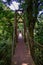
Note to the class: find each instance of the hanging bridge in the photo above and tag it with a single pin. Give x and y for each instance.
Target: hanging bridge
(21, 55)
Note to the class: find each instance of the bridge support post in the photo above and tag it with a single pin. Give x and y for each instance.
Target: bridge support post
(16, 37)
(24, 30)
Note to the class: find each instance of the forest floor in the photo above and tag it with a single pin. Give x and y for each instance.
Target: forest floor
(22, 55)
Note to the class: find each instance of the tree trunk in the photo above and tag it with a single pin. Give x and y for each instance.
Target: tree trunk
(16, 37)
(24, 30)
(31, 36)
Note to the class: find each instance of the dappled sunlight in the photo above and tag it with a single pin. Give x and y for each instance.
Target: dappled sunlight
(24, 63)
(15, 62)
(21, 32)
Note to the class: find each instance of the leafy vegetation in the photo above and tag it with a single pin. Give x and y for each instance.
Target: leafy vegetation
(6, 31)
(38, 37)
(39, 32)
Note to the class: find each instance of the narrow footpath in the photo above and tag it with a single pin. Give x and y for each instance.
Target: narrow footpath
(22, 55)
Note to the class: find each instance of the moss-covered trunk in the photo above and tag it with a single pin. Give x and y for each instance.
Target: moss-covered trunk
(32, 17)
(31, 36)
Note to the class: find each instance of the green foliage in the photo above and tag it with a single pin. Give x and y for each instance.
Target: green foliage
(39, 32)
(38, 37)
(6, 32)
(38, 55)
(5, 54)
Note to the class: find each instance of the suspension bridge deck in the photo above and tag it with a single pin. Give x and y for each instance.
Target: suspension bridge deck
(22, 55)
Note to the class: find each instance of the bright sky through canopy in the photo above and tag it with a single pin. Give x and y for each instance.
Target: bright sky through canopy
(13, 6)
(4, 0)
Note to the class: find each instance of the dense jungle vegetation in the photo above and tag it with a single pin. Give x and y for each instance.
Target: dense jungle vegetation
(6, 34)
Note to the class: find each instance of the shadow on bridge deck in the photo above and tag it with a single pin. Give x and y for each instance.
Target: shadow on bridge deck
(22, 55)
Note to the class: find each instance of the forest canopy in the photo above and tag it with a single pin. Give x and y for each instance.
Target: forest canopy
(34, 22)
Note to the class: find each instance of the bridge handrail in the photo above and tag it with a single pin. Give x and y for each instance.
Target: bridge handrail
(36, 42)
